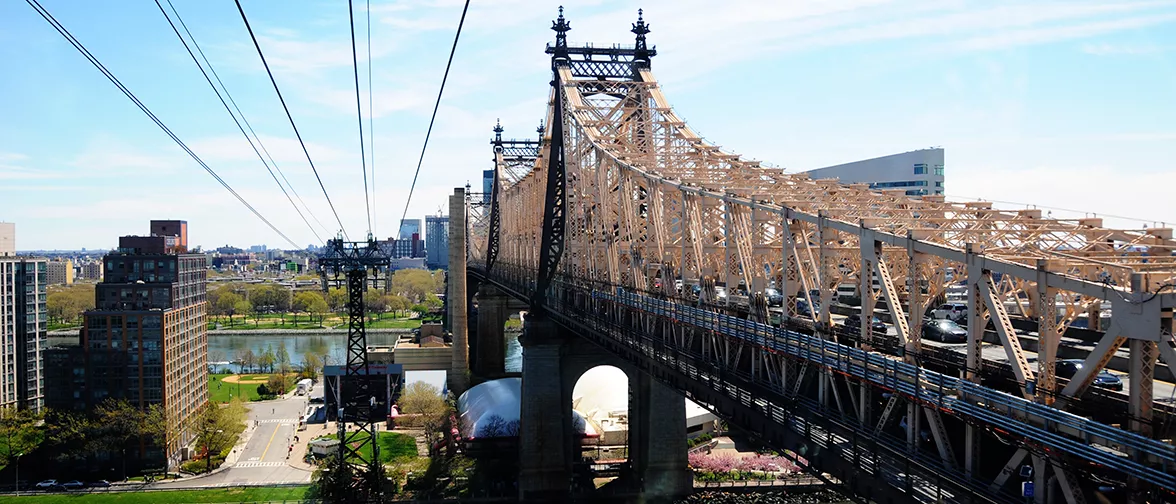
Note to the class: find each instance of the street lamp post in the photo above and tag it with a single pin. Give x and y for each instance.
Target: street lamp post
(18, 455)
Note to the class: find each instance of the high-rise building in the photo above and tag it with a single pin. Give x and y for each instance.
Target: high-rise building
(437, 241)
(23, 325)
(409, 227)
(146, 340)
(60, 272)
(487, 185)
(916, 173)
(7, 239)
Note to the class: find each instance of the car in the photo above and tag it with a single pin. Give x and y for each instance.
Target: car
(951, 311)
(803, 309)
(73, 485)
(1067, 368)
(945, 330)
(774, 297)
(99, 484)
(47, 484)
(853, 323)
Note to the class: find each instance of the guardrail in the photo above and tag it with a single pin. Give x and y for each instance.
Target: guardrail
(960, 396)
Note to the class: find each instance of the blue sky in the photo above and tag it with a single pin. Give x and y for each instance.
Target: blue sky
(1067, 105)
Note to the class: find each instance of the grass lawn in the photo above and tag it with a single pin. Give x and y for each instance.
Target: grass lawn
(394, 324)
(221, 392)
(393, 446)
(226, 495)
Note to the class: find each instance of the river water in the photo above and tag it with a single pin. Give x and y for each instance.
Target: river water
(223, 348)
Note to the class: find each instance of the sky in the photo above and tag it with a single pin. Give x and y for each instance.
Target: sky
(1067, 105)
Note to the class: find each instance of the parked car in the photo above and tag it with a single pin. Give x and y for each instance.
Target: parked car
(99, 484)
(945, 330)
(73, 485)
(951, 311)
(853, 323)
(47, 484)
(1067, 368)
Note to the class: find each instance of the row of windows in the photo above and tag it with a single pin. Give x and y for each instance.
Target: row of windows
(905, 183)
(921, 169)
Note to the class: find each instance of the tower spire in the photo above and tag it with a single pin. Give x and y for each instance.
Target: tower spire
(498, 132)
(561, 27)
(641, 53)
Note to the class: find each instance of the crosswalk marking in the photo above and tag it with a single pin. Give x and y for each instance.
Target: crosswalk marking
(279, 420)
(259, 464)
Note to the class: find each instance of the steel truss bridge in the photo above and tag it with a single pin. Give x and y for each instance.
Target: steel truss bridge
(607, 220)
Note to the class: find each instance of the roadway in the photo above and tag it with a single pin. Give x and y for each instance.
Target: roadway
(264, 454)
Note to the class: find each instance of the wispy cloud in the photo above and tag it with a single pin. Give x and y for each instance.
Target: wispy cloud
(13, 167)
(1107, 49)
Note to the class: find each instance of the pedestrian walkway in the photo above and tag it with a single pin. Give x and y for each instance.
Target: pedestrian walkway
(258, 463)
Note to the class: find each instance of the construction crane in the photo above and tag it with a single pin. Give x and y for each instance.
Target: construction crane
(354, 473)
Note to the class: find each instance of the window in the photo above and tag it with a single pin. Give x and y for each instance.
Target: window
(920, 168)
(939, 170)
(939, 183)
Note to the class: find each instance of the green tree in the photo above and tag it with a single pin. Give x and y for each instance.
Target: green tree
(336, 298)
(396, 304)
(19, 434)
(374, 302)
(268, 358)
(217, 429)
(311, 363)
(243, 308)
(432, 302)
(276, 384)
(283, 360)
(425, 409)
(309, 302)
(413, 284)
(226, 304)
(319, 307)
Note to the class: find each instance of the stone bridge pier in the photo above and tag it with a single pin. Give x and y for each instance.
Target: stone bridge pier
(553, 361)
(488, 343)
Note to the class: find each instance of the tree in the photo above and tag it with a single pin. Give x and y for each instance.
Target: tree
(243, 308)
(66, 304)
(226, 304)
(217, 428)
(336, 299)
(319, 307)
(247, 359)
(268, 358)
(374, 301)
(276, 384)
(116, 423)
(19, 433)
(432, 302)
(413, 284)
(311, 363)
(426, 409)
(283, 359)
(309, 302)
(396, 304)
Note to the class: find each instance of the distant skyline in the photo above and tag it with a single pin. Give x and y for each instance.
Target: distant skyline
(1065, 105)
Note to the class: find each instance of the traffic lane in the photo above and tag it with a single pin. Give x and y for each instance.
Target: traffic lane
(278, 446)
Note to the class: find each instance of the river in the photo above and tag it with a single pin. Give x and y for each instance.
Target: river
(223, 348)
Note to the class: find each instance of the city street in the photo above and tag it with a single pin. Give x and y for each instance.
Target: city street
(263, 457)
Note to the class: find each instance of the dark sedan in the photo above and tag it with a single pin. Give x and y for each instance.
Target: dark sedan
(1067, 368)
(945, 330)
(773, 297)
(853, 324)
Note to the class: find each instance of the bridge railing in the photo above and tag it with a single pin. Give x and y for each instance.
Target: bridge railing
(1130, 453)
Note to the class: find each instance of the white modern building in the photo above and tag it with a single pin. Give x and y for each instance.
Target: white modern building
(917, 172)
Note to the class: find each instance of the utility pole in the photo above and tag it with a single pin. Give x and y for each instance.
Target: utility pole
(353, 261)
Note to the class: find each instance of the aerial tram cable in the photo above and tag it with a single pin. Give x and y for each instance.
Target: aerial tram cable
(359, 113)
(114, 80)
(435, 107)
(260, 54)
(227, 109)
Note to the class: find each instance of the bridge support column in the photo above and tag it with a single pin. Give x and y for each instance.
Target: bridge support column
(659, 450)
(491, 340)
(544, 420)
(456, 293)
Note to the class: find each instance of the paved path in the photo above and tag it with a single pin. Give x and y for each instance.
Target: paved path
(264, 454)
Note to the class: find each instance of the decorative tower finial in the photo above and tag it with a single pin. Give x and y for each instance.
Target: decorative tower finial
(498, 131)
(641, 53)
(561, 27)
(540, 130)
